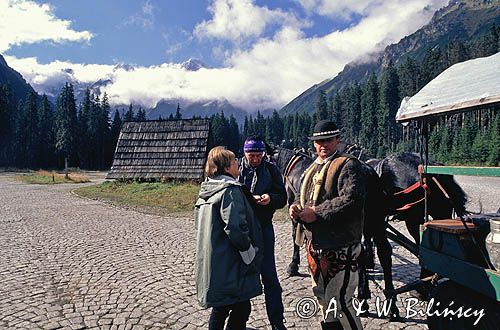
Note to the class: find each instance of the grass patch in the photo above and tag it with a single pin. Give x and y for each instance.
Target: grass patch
(156, 198)
(46, 177)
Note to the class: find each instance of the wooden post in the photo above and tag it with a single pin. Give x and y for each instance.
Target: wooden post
(66, 176)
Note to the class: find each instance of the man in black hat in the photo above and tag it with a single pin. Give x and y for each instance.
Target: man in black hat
(330, 207)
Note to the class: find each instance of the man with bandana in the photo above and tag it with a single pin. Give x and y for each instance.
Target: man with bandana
(265, 182)
(331, 209)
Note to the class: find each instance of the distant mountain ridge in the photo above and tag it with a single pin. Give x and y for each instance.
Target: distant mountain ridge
(460, 20)
(199, 108)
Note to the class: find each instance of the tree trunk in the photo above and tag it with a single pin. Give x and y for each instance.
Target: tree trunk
(66, 176)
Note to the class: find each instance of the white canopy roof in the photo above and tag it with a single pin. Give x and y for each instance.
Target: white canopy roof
(465, 85)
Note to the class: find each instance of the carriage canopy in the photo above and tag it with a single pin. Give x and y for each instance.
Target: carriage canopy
(464, 86)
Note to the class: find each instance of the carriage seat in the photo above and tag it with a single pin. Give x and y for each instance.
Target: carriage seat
(450, 237)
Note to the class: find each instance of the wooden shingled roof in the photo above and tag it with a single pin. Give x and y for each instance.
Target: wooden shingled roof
(172, 149)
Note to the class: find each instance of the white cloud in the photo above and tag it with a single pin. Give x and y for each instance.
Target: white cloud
(145, 19)
(23, 21)
(268, 75)
(237, 20)
(337, 7)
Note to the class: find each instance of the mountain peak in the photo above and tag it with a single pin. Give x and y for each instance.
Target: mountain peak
(193, 64)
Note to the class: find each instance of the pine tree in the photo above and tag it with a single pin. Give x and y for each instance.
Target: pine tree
(445, 140)
(456, 148)
(115, 129)
(352, 120)
(20, 136)
(233, 136)
(245, 129)
(494, 142)
(274, 129)
(32, 146)
(178, 114)
(321, 107)
(369, 105)
(105, 158)
(129, 115)
(456, 52)
(486, 45)
(431, 65)
(220, 127)
(66, 125)
(336, 114)
(141, 115)
(259, 126)
(46, 137)
(7, 126)
(409, 78)
(479, 149)
(389, 132)
(467, 135)
(84, 132)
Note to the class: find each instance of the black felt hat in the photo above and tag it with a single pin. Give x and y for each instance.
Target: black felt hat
(325, 129)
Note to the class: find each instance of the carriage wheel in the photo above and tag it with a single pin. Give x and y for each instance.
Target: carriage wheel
(449, 292)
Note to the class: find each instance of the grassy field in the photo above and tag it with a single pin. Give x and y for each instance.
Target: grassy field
(46, 177)
(155, 198)
(162, 199)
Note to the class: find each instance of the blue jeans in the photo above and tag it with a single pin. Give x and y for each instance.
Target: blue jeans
(272, 287)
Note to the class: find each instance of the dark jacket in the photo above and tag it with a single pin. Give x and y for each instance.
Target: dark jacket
(340, 211)
(268, 181)
(225, 227)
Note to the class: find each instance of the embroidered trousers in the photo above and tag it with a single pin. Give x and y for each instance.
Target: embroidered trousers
(335, 278)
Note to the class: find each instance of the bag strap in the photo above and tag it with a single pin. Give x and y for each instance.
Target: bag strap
(334, 169)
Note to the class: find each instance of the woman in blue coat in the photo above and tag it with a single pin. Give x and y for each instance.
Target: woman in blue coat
(229, 244)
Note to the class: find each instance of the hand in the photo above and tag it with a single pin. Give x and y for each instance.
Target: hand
(294, 211)
(264, 199)
(308, 215)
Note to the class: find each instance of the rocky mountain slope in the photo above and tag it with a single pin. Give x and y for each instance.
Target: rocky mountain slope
(460, 20)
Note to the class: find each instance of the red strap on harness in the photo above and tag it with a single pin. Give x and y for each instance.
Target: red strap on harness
(408, 190)
(292, 163)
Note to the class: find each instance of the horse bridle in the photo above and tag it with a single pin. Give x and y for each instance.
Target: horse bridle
(288, 168)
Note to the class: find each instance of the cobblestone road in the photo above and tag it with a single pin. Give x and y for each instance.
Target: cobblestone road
(72, 263)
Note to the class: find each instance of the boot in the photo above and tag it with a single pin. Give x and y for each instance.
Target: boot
(331, 326)
(278, 326)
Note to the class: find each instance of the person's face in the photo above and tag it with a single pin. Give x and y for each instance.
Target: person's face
(233, 169)
(254, 158)
(326, 147)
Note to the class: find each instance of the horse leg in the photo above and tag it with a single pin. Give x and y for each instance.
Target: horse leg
(384, 252)
(293, 267)
(370, 254)
(363, 287)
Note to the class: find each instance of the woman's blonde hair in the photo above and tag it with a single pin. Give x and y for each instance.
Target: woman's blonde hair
(219, 158)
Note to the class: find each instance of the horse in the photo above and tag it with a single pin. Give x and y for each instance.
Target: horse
(292, 165)
(405, 187)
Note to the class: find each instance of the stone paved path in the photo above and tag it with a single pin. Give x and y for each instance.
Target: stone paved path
(72, 263)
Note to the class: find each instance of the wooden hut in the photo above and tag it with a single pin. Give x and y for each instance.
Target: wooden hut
(154, 150)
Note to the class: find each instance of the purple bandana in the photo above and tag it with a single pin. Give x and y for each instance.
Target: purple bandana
(254, 145)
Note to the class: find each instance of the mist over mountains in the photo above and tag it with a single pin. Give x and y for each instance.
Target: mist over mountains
(460, 20)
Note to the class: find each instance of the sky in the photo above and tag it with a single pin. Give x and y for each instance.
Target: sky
(258, 54)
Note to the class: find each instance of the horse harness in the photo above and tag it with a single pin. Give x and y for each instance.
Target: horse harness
(288, 168)
(414, 195)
